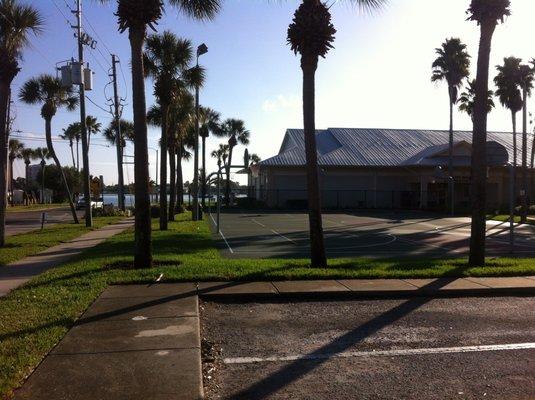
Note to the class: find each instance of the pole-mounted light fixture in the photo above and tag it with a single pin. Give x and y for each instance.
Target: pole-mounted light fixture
(202, 49)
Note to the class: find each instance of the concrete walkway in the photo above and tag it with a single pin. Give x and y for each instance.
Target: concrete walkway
(143, 341)
(15, 274)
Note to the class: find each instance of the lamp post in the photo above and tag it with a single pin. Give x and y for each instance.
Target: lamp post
(156, 150)
(202, 49)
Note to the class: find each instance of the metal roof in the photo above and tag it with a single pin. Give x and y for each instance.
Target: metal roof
(377, 147)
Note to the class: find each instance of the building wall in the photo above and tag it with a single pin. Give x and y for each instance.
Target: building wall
(396, 187)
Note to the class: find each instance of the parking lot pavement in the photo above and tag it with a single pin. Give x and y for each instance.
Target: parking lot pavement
(421, 348)
(26, 221)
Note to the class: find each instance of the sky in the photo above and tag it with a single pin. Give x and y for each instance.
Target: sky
(377, 76)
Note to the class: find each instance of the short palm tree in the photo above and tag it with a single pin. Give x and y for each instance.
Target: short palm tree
(507, 91)
(209, 122)
(15, 149)
(311, 34)
(48, 91)
(17, 23)
(135, 16)
(167, 60)
(255, 158)
(467, 100)
(453, 66)
(487, 14)
(235, 130)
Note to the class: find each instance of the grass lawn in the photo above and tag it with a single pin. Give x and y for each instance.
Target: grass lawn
(30, 243)
(36, 316)
(35, 207)
(505, 218)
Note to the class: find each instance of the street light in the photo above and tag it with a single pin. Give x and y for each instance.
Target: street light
(202, 49)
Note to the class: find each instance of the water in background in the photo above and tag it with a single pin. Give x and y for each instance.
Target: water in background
(113, 198)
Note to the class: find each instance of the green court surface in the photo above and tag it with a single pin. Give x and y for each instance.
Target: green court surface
(250, 234)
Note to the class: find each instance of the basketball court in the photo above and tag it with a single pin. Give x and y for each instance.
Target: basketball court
(404, 234)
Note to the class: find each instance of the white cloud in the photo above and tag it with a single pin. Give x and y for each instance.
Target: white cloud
(281, 102)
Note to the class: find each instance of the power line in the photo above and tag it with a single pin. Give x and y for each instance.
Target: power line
(96, 105)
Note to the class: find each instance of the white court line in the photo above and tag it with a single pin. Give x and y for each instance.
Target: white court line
(256, 222)
(282, 236)
(223, 236)
(384, 353)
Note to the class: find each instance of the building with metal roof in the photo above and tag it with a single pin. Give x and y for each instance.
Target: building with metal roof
(393, 168)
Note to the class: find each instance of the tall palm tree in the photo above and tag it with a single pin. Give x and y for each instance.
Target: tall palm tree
(311, 34)
(15, 149)
(467, 100)
(525, 80)
(28, 155)
(135, 16)
(487, 14)
(167, 60)
(48, 91)
(506, 82)
(209, 122)
(453, 66)
(17, 23)
(235, 130)
(73, 133)
(70, 136)
(92, 126)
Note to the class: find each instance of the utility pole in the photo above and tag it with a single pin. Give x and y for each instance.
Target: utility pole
(83, 128)
(118, 136)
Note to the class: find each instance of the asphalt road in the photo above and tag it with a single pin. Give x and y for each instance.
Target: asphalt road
(26, 221)
(378, 349)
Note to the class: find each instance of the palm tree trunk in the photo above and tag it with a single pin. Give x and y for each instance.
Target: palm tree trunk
(172, 182)
(318, 257)
(227, 184)
(179, 176)
(11, 161)
(143, 239)
(4, 104)
(451, 181)
(77, 156)
(48, 132)
(163, 169)
(203, 176)
(524, 193)
(479, 148)
(71, 145)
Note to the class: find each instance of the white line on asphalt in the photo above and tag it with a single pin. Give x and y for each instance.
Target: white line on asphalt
(383, 353)
(282, 236)
(258, 223)
(223, 236)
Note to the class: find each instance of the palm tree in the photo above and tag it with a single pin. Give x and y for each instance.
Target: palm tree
(135, 16)
(453, 66)
(167, 60)
(255, 158)
(127, 132)
(43, 154)
(525, 80)
(17, 23)
(235, 130)
(70, 134)
(92, 126)
(28, 155)
(467, 100)
(507, 91)
(48, 91)
(487, 14)
(209, 122)
(15, 149)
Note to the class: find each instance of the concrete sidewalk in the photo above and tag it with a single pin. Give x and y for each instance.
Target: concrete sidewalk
(143, 341)
(15, 274)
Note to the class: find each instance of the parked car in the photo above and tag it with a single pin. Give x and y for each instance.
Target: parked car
(96, 203)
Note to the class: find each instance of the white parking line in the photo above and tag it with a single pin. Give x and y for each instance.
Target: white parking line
(383, 353)
(282, 236)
